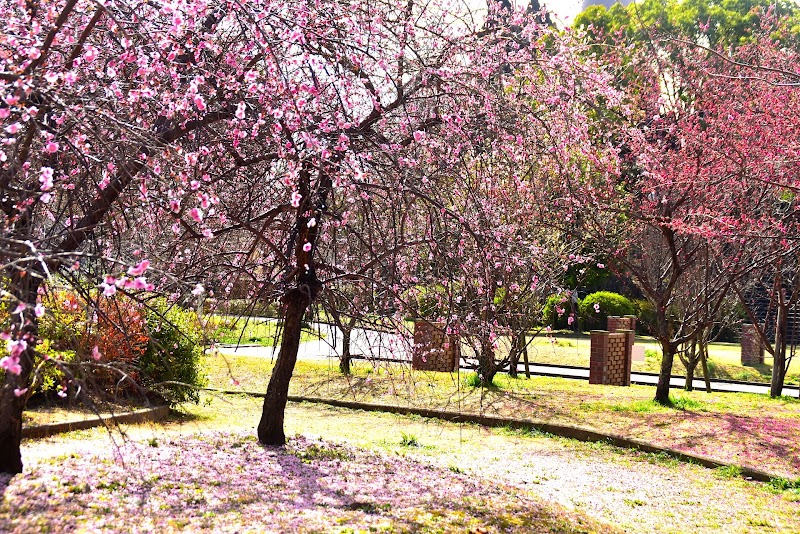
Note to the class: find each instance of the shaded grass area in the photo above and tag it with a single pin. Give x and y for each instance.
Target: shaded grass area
(234, 330)
(724, 358)
(746, 429)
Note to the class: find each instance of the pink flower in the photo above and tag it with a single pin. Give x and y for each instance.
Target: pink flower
(38, 310)
(96, 354)
(108, 289)
(175, 205)
(419, 136)
(46, 179)
(11, 364)
(296, 197)
(51, 147)
(139, 269)
(198, 290)
(596, 307)
(20, 392)
(307, 247)
(13, 128)
(196, 214)
(199, 102)
(601, 266)
(240, 109)
(570, 319)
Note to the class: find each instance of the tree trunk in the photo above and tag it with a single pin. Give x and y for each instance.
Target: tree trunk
(691, 363)
(270, 428)
(662, 388)
(779, 356)
(344, 360)
(689, 386)
(487, 367)
(517, 348)
(704, 363)
(12, 405)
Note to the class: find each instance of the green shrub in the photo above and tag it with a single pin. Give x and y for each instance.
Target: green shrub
(608, 303)
(171, 364)
(550, 313)
(646, 316)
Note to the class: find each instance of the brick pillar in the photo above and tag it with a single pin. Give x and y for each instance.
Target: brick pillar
(629, 341)
(625, 322)
(752, 349)
(610, 357)
(434, 350)
(597, 356)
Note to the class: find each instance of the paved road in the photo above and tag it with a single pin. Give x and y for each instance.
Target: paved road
(371, 344)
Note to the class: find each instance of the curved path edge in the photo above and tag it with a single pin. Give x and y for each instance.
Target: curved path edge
(136, 416)
(566, 431)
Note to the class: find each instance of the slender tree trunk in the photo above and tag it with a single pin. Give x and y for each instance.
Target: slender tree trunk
(691, 363)
(779, 357)
(344, 360)
(662, 388)
(517, 347)
(487, 367)
(704, 363)
(527, 363)
(12, 405)
(270, 428)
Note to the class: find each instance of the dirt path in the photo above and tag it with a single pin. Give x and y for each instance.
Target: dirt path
(637, 492)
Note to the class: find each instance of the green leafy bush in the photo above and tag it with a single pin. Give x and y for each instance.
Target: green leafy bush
(171, 365)
(596, 307)
(646, 316)
(556, 311)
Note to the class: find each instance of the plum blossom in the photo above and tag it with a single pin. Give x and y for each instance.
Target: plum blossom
(296, 197)
(139, 269)
(196, 214)
(307, 247)
(596, 307)
(20, 392)
(46, 179)
(198, 290)
(38, 310)
(96, 354)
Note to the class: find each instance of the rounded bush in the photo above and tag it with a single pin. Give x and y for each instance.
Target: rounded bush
(595, 308)
(171, 365)
(556, 311)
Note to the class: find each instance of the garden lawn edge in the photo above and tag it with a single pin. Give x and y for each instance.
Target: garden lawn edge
(566, 431)
(133, 417)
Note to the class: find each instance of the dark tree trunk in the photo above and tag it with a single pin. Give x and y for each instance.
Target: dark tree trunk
(704, 363)
(692, 359)
(689, 386)
(487, 367)
(25, 288)
(779, 356)
(517, 348)
(662, 388)
(344, 360)
(270, 428)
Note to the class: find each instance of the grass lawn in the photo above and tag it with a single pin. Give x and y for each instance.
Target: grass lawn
(233, 330)
(745, 429)
(724, 358)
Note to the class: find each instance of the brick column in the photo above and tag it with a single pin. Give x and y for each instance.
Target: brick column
(752, 349)
(610, 358)
(434, 350)
(625, 322)
(597, 356)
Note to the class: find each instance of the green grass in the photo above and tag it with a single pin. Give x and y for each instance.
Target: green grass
(232, 330)
(724, 358)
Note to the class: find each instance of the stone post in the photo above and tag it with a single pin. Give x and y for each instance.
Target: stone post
(434, 350)
(752, 349)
